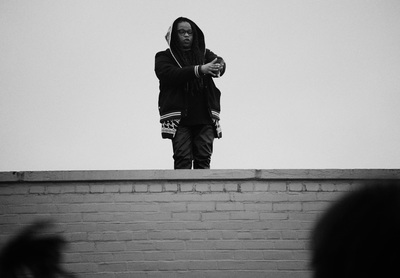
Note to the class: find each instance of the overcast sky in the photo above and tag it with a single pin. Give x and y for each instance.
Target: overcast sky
(309, 84)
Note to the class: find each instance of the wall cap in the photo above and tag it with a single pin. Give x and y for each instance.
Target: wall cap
(180, 175)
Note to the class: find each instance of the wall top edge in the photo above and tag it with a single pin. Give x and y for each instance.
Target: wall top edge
(176, 175)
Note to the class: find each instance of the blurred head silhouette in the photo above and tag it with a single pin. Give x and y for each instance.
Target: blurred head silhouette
(359, 235)
(33, 253)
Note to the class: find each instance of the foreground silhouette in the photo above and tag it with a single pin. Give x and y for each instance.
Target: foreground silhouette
(32, 253)
(359, 235)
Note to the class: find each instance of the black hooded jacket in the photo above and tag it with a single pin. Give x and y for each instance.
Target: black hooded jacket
(176, 79)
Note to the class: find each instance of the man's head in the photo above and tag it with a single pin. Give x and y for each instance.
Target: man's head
(185, 34)
(182, 36)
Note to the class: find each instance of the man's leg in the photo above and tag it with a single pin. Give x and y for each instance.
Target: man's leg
(182, 147)
(203, 139)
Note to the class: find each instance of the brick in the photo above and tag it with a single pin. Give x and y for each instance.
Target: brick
(246, 265)
(97, 217)
(201, 206)
(229, 245)
(229, 234)
(19, 209)
(170, 245)
(97, 188)
(186, 216)
(328, 187)
(195, 235)
(158, 255)
(312, 186)
(344, 186)
(287, 207)
(248, 255)
(67, 189)
(173, 207)
(81, 247)
(290, 234)
(114, 208)
(140, 188)
(191, 255)
(293, 265)
(162, 235)
(141, 246)
(129, 256)
(186, 187)
(273, 234)
(244, 215)
(247, 187)
(215, 215)
(160, 216)
(20, 189)
(44, 209)
(315, 206)
(217, 187)
(112, 267)
(261, 186)
(302, 197)
(94, 198)
(284, 225)
(37, 189)
(329, 196)
(82, 189)
(278, 255)
(273, 215)
(278, 186)
(202, 265)
(227, 225)
(296, 186)
(258, 207)
(219, 254)
(231, 187)
(123, 188)
(289, 245)
(139, 235)
(155, 188)
(200, 245)
(144, 207)
(214, 235)
(230, 206)
(54, 190)
(259, 197)
(85, 267)
(259, 234)
(171, 187)
(8, 190)
(202, 187)
(258, 245)
(244, 235)
(215, 197)
(182, 235)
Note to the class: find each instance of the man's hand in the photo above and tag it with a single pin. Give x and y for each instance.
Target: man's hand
(211, 68)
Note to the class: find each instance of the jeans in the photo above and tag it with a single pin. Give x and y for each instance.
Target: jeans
(193, 145)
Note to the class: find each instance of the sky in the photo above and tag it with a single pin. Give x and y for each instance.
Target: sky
(309, 84)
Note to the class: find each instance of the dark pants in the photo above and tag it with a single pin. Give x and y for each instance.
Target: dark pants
(193, 145)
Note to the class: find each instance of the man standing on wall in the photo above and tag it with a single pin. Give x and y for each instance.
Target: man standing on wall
(189, 101)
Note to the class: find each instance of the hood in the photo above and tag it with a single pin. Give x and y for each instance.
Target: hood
(171, 38)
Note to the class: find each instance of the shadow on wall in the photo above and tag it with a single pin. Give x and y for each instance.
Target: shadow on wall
(359, 235)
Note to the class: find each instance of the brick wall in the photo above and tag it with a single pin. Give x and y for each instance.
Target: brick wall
(199, 223)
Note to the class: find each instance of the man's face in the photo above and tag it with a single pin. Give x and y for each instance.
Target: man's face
(185, 35)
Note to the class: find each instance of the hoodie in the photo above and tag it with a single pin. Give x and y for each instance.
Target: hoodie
(178, 79)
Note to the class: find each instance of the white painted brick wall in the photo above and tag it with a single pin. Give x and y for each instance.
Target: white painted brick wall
(216, 223)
